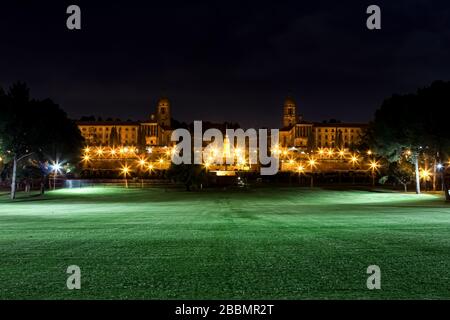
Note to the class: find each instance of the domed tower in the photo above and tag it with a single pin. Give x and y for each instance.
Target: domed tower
(289, 112)
(163, 113)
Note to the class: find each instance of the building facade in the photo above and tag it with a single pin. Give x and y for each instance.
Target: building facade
(113, 145)
(156, 131)
(305, 135)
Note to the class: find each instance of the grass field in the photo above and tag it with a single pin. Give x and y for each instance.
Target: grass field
(249, 244)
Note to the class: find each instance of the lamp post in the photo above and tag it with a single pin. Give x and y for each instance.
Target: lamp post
(439, 169)
(125, 172)
(354, 160)
(56, 168)
(374, 165)
(312, 163)
(300, 170)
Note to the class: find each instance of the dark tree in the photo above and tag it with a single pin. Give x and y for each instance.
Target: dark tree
(191, 175)
(412, 125)
(34, 128)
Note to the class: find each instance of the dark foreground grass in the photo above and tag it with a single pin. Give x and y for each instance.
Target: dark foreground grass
(257, 244)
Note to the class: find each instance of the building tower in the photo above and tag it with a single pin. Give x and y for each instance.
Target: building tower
(289, 112)
(163, 113)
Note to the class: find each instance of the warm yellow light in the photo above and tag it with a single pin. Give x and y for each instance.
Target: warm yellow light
(425, 174)
(241, 161)
(374, 165)
(150, 167)
(300, 169)
(341, 153)
(369, 152)
(100, 151)
(126, 149)
(312, 162)
(285, 152)
(276, 149)
(330, 152)
(354, 159)
(408, 152)
(321, 151)
(161, 161)
(1, 159)
(113, 152)
(207, 165)
(121, 150)
(125, 170)
(149, 150)
(291, 161)
(86, 157)
(87, 150)
(142, 162)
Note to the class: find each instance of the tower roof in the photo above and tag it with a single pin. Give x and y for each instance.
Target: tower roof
(164, 100)
(289, 100)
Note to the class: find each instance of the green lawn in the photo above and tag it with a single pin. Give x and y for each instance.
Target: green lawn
(258, 244)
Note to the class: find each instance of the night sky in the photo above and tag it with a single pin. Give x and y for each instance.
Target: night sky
(224, 60)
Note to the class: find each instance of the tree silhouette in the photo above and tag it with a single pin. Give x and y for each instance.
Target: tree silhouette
(413, 124)
(34, 128)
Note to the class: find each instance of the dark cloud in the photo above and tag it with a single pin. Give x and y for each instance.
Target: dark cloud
(225, 60)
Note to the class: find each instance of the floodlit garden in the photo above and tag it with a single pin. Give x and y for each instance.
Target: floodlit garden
(262, 243)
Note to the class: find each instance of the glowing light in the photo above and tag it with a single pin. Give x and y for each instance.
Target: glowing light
(330, 152)
(312, 163)
(374, 165)
(341, 153)
(149, 150)
(369, 152)
(86, 157)
(300, 169)
(354, 159)
(113, 152)
(161, 161)
(87, 150)
(1, 159)
(126, 149)
(125, 170)
(207, 165)
(285, 152)
(121, 150)
(56, 167)
(408, 152)
(100, 151)
(439, 166)
(142, 162)
(321, 151)
(291, 161)
(276, 149)
(425, 174)
(150, 167)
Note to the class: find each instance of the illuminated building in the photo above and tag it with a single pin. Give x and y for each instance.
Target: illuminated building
(302, 134)
(155, 131)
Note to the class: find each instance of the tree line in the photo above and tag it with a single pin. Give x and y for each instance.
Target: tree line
(33, 133)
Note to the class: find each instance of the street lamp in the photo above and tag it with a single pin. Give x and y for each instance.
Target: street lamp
(125, 171)
(56, 168)
(312, 164)
(425, 174)
(300, 170)
(374, 165)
